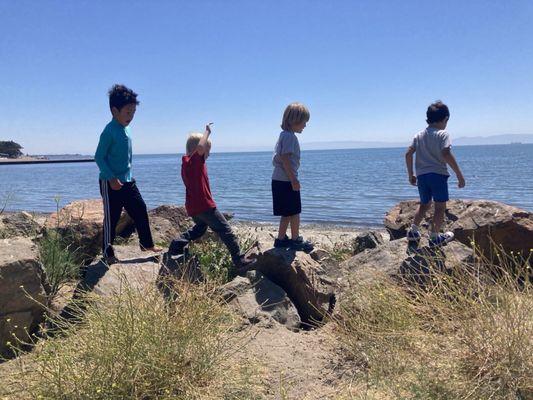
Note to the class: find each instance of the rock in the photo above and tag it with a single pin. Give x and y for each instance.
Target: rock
(18, 224)
(259, 300)
(366, 240)
(81, 224)
(22, 293)
(136, 269)
(480, 221)
(319, 254)
(176, 215)
(182, 267)
(391, 259)
(235, 288)
(166, 223)
(302, 278)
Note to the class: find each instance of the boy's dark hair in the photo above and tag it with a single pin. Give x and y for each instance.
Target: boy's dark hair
(437, 112)
(120, 96)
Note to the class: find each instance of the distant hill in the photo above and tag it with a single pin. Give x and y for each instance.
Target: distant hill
(461, 141)
(496, 139)
(360, 144)
(349, 145)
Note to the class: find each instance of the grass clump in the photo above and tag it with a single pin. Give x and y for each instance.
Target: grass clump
(135, 345)
(58, 259)
(215, 260)
(467, 334)
(58, 254)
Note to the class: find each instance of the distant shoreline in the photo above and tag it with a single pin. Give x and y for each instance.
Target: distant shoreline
(35, 160)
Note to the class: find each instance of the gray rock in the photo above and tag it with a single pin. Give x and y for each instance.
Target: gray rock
(302, 278)
(261, 301)
(392, 259)
(18, 224)
(136, 270)
(22, 293)
(485, 223)
(367, 240)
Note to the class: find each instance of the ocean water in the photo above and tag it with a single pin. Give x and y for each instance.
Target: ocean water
(344, 187)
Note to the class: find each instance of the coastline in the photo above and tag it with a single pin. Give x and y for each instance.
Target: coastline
(34, 160)
(21, 159)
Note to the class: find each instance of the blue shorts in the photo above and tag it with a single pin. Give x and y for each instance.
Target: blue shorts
(432, 186)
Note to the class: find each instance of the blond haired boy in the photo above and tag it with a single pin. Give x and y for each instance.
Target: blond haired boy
(286, 197)
(200, 204)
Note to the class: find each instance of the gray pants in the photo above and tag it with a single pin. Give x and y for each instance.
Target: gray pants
(215, 220)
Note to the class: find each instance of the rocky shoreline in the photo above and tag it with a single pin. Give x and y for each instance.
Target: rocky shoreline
(285, 294)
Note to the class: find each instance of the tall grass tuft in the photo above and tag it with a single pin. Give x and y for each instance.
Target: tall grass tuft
(58, 257)
(135, 345)
(467, 334)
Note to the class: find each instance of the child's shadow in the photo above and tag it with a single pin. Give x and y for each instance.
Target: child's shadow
(419, 267)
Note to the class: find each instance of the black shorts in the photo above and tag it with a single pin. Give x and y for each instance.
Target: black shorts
(286, 201)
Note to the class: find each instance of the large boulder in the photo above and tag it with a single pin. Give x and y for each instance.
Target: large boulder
(138, 269)
(81, 224)
(18, 224)
(166, 223)
(22, 293)
(303, 280)
(260, 301)
(485, 223)
(393, 259)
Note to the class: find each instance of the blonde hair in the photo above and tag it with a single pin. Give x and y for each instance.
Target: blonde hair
(192, 142)
(295, 113)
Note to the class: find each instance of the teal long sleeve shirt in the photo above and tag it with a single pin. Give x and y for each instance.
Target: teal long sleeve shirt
(113, 154)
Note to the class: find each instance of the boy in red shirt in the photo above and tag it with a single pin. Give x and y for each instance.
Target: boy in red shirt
(200, 204)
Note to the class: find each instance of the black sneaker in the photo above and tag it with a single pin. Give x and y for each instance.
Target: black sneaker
(177, 246)
(108, 260)
(243, 265)
(301, 245)
(282, 243)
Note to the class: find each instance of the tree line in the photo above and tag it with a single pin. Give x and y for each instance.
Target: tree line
(10, 149)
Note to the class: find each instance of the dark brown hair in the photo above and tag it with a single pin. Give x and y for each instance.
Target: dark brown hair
(120, 96)
(437, 112)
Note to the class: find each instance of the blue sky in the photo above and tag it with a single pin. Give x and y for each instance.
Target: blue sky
(366, 69)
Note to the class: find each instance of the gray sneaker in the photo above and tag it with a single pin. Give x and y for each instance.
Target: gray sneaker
(442, 239)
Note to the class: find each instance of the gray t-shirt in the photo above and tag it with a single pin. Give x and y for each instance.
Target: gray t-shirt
(287, 144)
(429, 145)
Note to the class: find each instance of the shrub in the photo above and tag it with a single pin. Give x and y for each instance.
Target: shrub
(135, 345)
(466, 334)
(215, 260)
(58, 260)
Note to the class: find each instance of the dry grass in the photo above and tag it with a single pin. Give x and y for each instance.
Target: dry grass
(468, 334)
(135, 345)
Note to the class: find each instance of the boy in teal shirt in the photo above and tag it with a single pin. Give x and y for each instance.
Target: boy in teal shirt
(117, 186)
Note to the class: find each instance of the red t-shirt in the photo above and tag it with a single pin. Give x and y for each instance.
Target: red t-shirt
(198, 198)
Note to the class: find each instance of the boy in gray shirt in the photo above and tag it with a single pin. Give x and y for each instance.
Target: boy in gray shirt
(286, 198)
(433, 153)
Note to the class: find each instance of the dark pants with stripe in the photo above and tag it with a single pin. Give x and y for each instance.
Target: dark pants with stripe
(129, 198)
(215, 220)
